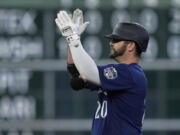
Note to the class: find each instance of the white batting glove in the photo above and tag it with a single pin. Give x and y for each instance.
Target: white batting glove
(78, 21)
(65, 24)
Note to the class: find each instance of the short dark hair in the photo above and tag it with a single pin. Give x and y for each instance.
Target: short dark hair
(138, 50)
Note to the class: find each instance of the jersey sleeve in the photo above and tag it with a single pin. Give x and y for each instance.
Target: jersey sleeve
(92, 86)
(115, 77)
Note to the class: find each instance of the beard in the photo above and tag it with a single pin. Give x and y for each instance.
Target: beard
(115, 53)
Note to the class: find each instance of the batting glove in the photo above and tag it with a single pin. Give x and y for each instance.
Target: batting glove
(78, 21)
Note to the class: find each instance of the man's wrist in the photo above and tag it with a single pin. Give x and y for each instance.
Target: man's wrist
(71, 38)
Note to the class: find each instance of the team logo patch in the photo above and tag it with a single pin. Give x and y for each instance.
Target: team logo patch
(110, 73)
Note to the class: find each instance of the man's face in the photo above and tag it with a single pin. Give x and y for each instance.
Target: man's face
(117, 48)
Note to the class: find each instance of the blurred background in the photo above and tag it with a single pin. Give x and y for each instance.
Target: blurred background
(35, 96)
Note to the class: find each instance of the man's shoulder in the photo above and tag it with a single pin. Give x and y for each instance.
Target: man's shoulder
(135, 68)
(138, 75)
(117, 66)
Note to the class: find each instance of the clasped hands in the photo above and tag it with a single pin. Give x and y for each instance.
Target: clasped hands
(71, 26)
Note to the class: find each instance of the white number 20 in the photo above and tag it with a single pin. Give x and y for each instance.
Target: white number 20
(101, 110)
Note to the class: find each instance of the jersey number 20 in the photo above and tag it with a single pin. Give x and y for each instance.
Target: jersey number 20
(101, 111)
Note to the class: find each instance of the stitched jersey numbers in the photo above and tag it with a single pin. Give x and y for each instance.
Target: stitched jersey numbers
(101, 111)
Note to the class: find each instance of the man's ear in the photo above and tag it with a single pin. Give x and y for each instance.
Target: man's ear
(131, 46)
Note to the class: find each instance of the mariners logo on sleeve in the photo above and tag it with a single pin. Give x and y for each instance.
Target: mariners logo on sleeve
(110, 73)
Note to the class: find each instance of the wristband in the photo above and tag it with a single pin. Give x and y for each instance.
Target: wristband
(73, 70)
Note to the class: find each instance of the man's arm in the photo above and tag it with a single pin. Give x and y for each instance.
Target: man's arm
(70, 60)
(84, 63)
(76, 82)
(71, 66)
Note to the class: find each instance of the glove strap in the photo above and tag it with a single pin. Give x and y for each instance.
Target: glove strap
(73, 40)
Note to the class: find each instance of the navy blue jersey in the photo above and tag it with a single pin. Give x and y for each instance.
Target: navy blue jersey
(121, 102)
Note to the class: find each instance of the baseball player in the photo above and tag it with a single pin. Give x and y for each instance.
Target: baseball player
(121, 87)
